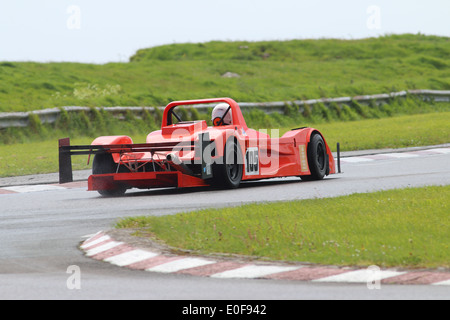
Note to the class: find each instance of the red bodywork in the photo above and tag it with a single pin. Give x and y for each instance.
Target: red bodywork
(172, 156)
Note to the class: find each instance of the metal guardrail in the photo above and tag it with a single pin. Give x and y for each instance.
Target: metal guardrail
(48, 116)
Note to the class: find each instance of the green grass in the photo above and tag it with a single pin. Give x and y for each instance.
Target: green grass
(397, 228)
(396, 132)
(35, 158)
(269, 71)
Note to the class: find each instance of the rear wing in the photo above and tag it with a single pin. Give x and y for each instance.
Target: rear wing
(66, 151)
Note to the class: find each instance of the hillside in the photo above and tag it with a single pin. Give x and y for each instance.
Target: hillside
(262, 71)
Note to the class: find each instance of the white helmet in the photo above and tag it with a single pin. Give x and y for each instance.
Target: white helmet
(218, 113)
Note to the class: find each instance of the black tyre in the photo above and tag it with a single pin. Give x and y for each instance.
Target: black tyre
(104, 164)
(317, 159)
(229, 174)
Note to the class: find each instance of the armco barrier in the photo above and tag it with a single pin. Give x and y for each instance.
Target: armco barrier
(22, 119)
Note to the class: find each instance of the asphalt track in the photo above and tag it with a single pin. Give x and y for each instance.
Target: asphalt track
(42, 225)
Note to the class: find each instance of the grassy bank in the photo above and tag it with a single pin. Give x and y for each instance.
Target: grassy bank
(395, 132)
(402, 228)
(267, 71)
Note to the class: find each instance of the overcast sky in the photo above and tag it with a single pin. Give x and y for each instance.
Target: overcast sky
(101, 31)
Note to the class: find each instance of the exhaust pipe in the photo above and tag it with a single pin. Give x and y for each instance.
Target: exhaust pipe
(175, 162)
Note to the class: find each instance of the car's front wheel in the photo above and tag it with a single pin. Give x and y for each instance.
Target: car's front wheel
(317, 158)
(229, 173)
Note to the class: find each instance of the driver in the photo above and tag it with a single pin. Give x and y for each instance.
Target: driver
(218, 112)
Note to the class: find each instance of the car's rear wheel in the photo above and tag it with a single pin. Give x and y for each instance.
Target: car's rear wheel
(104, 164)
(317, 158)
(229, 174)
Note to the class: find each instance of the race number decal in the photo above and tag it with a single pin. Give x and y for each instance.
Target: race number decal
(252, 161)
(303, 159)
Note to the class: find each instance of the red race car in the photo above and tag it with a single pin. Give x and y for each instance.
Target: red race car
(193, 154)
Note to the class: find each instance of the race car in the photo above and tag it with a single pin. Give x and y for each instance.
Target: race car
(193, 153)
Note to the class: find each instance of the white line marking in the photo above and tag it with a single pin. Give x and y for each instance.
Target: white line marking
(356, 159)
(130, 257)
(181, 264)
(90, 236)
(252, 271)
(440, 150)
(401, 155)
(105, 247)
(97, 241)
(442, 283)
(33, 188)
(360, 276)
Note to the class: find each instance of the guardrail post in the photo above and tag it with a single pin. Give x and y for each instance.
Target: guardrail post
(65, 161)
(339, 157)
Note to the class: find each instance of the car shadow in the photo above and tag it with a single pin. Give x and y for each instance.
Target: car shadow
(193, 190)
